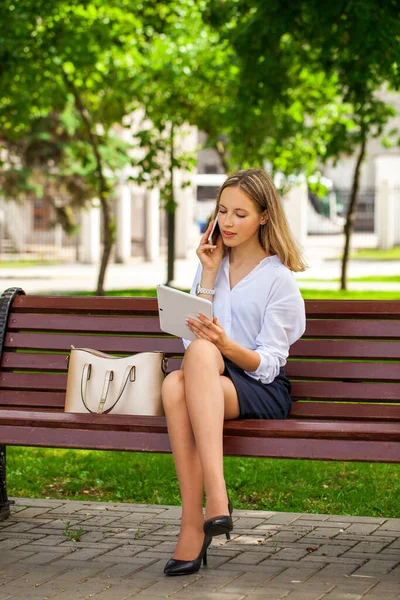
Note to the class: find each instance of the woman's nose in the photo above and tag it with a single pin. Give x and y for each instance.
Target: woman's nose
(228, 222)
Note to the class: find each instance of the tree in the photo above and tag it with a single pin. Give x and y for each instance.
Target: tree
(182, 84)
(353, 45)
(368, 121)
(74, 63)
(86, 67)
(361, 45)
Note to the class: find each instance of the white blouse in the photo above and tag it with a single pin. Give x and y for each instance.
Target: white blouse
(263, 312)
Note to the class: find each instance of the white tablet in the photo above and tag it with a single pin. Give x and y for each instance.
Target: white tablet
(175, 306)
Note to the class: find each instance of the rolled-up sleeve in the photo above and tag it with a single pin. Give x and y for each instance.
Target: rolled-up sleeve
(196, 280)
(283, 324)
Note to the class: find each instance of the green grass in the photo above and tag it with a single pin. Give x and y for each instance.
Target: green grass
(263, 484)
(151, 292)
(310, 294)
(27, 263)
(378, 278)
(376, 254)
(369, 278)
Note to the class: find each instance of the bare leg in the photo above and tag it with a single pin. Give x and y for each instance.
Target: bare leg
(206, 399)
(187, 465)
(186, 458)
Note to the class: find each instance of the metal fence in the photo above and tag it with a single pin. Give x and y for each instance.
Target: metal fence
(327, 214)
(29, 231)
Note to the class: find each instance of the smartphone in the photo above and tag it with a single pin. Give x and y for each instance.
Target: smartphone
(215, 232)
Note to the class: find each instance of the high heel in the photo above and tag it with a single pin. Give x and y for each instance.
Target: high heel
(187, 567)
(221, 525)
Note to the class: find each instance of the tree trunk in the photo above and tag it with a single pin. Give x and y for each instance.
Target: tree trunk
(170, 208)
(108, 241)
(171, 247)
(220, 148)
(351, 212)
(103, 189)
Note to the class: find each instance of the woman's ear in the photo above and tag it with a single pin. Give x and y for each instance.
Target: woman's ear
(264, 218)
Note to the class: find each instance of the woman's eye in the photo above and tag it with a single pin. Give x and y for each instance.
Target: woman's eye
(222, 212)
(241, 216)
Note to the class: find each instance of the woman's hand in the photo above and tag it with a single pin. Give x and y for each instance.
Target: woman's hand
(210, 256)
(208, 330)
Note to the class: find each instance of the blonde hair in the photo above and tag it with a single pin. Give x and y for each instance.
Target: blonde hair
(275, 236)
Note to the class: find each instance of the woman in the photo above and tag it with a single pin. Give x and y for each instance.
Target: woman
(234, 369)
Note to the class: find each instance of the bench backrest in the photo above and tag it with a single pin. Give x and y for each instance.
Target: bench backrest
(349, 354)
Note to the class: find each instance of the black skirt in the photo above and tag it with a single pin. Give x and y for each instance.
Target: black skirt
(260, 400)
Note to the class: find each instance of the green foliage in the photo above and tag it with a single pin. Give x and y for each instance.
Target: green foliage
(275, 88)
(72, 74)
(59, 58)
(297, 62)
(309, 76)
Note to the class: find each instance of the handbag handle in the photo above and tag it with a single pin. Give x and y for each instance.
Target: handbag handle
(130, 373)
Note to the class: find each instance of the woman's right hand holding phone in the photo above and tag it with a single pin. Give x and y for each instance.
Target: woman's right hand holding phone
(209, 255)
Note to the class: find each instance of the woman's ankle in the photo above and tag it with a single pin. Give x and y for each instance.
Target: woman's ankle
(191, 521)
(217, 505)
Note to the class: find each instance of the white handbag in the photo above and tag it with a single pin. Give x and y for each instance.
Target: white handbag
(101, 383)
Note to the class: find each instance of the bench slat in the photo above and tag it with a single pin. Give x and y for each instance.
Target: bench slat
(255, 427)
(338, 390)
(85, 439)
(303, 348)
(84, 323)
(365, 371)
(334, 410)
(361, 451)
(86, 304)
(128, 344)
(342, 349)
(360, 328)
(126, 324)
(29, 398)
(353, 309)
(296, 369)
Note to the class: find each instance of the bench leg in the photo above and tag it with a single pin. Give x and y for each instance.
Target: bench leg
(4, 502)
(6, 300)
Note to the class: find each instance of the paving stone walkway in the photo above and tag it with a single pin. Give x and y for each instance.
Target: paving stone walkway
(123, 548)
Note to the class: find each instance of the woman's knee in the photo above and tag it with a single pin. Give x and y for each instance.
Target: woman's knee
(173, 389)
(202, 350)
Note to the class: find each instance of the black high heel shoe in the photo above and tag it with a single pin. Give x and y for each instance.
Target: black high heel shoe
(187, 567)
(221, 525)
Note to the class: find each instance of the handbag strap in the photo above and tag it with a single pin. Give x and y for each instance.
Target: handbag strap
(130, 374)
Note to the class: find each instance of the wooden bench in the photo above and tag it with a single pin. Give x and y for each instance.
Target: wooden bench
(345, 373)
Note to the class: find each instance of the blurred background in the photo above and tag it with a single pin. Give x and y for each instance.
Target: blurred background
(119, 120)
